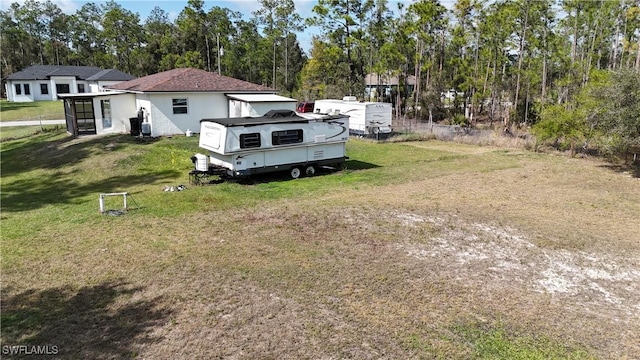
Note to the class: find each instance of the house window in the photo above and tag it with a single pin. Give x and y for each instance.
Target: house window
(62, 88)
(179, 106)
(18, 89)
(249, 140)
(44, 89)
(105, 105)
(286, 137)
(80, 88)
(27, 89)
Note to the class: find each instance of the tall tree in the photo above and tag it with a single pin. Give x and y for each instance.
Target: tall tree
(244, 53)
(496, 27)
(88, 41)
(325, 75)
(266, 16)
(342, 24)
(617, 116)
(280, 22)
(123, 34)
(428, 23)
(378, 35)
(464, 54)
(195, 35)
(29, 18)
(57, 34)
(219, 24)
(160, 40)
(13, 50)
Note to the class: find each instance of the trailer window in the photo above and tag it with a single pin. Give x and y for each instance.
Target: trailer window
(250, 140)
(286, 137)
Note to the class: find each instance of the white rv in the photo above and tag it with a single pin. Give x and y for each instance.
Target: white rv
(278, 141)
(365, 118)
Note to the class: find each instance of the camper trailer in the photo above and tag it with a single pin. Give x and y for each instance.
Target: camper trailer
(365, 118)
(278, 141)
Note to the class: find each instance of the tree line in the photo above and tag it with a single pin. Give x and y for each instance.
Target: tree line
(505, 61)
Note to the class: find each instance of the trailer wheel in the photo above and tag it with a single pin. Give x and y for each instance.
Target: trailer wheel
(310, 170)
(295, 172)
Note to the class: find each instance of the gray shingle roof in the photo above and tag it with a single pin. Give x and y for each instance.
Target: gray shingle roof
(91, 73)
(110, 75)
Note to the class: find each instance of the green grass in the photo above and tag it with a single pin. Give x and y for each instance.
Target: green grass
(17, 132)
(309, 268)
(497, 342)
(36, 110)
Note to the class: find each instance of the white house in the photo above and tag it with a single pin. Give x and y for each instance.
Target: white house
(106, 112)
(45, 82)
(172, 102)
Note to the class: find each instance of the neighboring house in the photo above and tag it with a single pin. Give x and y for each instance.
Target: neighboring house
(172, 103)
(384, 83)
(45, 82)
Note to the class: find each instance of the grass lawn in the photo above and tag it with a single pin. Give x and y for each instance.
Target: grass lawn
(415, 250)
(17, 132)
(37, 110)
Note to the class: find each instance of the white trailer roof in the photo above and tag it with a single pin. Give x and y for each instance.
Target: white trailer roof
(271, 117)
(260, 98)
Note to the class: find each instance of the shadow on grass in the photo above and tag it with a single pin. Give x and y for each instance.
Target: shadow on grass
(60, 188)
(97, 322)
(320, 171)
(359, 165)
(10, 106)
(632, 170)
(52, 150)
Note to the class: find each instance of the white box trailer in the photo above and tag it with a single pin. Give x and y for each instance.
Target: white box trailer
(365, 118)
(278, 141)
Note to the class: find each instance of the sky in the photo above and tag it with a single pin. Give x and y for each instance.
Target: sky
(174, 7)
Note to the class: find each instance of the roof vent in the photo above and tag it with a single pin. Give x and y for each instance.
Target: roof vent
(279, 113)
(349, 98)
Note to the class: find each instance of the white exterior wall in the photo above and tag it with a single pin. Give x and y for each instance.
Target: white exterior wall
(122, 108)
(239, 108)
(199, 106)
(11, 91)
(34, 87)
(58, 80)
(36, 94)
(86, 86)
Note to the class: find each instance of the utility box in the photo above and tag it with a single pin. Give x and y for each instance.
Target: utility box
(135, 126)
(201, 162)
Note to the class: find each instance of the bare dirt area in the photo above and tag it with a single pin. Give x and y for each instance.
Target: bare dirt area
(409, 284)
(588, 295)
